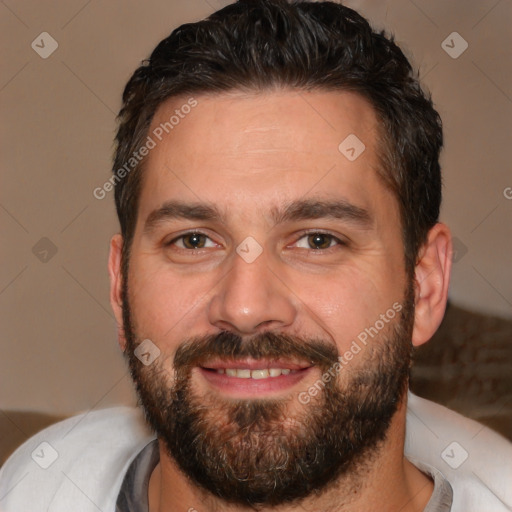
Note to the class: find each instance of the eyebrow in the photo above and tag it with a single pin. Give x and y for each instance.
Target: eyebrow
(339, 209)
(172, 210)
(304, 209)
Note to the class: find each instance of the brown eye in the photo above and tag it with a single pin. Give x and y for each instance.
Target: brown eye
(192, 241)
(320, 241)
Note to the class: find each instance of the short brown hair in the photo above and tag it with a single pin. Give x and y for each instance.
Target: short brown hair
(255, 45)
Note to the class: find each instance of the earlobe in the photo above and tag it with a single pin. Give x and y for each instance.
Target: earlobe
(116, 285)
(432, 279)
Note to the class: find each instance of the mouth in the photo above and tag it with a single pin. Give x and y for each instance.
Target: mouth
(253, 378)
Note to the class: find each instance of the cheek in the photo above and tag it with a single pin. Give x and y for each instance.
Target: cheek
(162, 304)
(344, 304)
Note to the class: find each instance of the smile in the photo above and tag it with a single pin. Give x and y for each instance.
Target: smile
(252, 377)
(246, 373)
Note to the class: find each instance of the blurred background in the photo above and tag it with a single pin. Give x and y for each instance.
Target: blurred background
(64, 67)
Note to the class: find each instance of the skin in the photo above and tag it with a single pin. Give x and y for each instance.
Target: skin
(247, 155)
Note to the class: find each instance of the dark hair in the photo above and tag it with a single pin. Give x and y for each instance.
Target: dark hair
(256, 45)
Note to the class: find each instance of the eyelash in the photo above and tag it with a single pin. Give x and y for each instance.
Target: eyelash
(182, 236)
(305, 234)
(332, 237)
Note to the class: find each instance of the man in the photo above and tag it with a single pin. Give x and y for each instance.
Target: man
(278, 189)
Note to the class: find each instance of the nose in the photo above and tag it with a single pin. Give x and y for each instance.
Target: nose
(252, 298)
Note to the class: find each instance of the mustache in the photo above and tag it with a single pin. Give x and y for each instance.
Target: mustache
(228, 345)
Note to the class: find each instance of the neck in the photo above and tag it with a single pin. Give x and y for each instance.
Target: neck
(388, 482)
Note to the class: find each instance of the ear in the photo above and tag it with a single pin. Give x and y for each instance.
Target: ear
(432, 278)
(116, 285)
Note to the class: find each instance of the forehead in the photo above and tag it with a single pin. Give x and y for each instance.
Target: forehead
(268, 121)
(263, 149)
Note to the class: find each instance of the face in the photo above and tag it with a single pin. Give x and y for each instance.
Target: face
(267, 268)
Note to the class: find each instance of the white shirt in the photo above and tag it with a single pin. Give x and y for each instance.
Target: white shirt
(78, 465)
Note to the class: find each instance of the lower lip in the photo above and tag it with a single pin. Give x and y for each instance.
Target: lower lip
(237, 387)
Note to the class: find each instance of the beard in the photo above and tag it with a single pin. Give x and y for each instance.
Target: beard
(267, 452)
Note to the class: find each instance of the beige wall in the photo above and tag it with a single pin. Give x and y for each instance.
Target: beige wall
(59, 349)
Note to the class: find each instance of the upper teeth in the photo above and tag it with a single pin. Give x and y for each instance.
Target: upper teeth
(245, 373)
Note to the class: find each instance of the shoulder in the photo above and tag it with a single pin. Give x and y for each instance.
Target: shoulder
(81, 460)
(474, 459)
